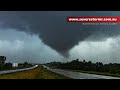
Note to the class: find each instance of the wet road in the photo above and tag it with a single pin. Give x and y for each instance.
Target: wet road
(78, 75)
(17, 70)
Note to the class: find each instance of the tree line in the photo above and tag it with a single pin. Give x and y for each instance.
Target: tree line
(8, 66)
(87, 66)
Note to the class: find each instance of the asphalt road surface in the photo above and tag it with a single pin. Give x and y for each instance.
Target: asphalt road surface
(17, 70)
(78, 75)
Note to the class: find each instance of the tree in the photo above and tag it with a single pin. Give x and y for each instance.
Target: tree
(84, 61)
(2, 59)
(25, 63)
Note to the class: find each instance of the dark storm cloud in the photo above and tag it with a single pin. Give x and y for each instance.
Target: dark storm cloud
(20, 46)
(53, 29)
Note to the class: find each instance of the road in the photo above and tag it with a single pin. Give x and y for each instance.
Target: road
(79, 75)
(17, 70)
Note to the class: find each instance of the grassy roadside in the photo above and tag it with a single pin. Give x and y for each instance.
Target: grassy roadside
(29, 74)
(97, 73)
(37, 73)
(45, 74)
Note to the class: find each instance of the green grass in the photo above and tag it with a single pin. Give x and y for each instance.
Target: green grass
(45, 74)
(98, 73)
(37, 73)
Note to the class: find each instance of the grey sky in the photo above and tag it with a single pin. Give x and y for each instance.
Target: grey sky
(44, 36)
(20, 47)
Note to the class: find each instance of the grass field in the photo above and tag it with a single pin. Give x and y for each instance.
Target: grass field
(37, 73)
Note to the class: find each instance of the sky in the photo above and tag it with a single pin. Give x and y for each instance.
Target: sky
(45, 36)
